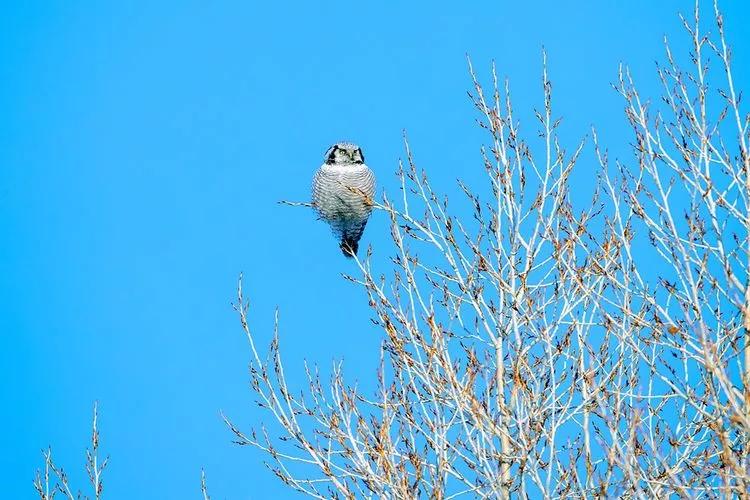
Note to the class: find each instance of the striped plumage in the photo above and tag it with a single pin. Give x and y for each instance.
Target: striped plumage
(342, 192)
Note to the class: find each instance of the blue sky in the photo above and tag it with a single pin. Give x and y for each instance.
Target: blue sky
(143, 147)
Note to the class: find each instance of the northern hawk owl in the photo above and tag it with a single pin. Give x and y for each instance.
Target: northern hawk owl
(342, 193)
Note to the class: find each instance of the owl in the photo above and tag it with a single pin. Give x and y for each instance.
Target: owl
(342, 192)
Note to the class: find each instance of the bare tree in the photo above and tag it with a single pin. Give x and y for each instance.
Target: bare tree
(53, 480)
(534, 348)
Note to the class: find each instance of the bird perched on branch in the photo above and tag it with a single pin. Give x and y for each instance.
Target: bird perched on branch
(342, 192)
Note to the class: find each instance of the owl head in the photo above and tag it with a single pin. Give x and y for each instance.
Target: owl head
(344, 153)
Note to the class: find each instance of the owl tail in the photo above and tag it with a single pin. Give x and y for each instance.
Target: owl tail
(349, 246)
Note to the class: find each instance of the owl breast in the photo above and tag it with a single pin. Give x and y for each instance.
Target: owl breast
(345, 209)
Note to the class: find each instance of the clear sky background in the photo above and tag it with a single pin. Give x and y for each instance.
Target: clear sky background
(143, 148)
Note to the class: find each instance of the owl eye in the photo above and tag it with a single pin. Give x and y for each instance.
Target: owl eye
(331, 155)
